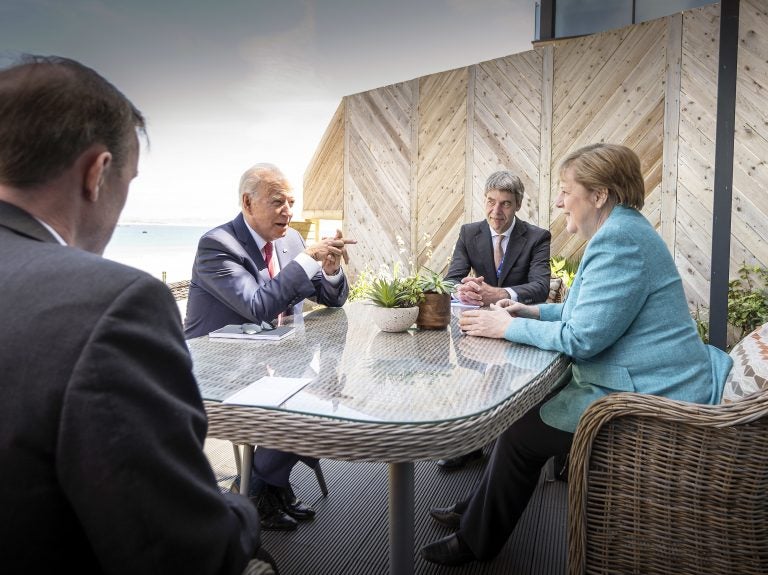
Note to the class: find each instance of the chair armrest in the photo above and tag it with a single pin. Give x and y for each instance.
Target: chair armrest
(633, 425)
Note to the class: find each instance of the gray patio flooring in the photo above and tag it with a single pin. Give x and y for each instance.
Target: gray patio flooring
(350, 533)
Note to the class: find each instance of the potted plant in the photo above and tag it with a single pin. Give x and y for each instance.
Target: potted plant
(395, 300)
(435, 309)
(562, 273)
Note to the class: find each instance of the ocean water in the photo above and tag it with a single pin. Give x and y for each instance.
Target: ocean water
(156, 248)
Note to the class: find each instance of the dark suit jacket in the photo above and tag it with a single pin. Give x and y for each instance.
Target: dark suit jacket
(526, 261)
(230, 283)
(101, 422)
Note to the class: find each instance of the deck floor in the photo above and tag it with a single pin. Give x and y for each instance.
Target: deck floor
(350, 533)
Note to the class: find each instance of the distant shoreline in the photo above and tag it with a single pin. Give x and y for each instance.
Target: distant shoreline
(157, 248)
(176, 224)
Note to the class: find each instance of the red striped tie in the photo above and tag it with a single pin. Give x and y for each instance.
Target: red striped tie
(272, 268)
(268, 259)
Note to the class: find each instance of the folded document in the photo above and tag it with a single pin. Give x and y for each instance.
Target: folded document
(268, 391)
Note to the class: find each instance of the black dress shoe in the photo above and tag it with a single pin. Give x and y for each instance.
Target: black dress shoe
(461, 460)
(292, 506)
(447, 516)
(448, 551)
(271, 513)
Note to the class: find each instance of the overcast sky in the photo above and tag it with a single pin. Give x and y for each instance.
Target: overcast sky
(225, 84)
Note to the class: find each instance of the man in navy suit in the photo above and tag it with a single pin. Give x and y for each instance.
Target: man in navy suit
(509, 258)
(253, 269)
(101, 423)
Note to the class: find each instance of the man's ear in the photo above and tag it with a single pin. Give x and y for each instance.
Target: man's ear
(96, 172)
(245, 202)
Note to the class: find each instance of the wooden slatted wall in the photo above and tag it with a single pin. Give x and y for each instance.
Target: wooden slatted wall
(609, 87)
(696, 150)
(749, 225)
(506, 134)
(442, 120)
(416, 154)
(324, 178)
(379, 154)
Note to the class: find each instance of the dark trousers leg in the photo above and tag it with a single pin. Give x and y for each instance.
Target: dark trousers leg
(273, 467)
(507, 484)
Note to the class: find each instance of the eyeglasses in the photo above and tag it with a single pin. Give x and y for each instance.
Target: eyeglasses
(251, 328)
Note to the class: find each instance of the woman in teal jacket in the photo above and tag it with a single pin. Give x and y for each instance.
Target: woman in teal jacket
(625, 325)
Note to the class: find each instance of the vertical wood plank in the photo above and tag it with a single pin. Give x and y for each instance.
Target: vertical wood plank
(470, 146)
(671, 129)
(414, 185)
(546, 192)
(346, 178)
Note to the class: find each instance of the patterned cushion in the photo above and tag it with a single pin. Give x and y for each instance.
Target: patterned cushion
(750, 366)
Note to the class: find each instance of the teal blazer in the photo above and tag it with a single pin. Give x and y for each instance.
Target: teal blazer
(625, 325)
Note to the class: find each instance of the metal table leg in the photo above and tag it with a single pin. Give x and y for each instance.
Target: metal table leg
(401, 514)
(245, 469)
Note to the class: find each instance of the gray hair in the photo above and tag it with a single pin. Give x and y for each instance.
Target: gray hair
(266, 174)
(505, 181)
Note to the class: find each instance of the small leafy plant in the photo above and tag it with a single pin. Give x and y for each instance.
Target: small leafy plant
(702, 323)
(748, 299)
(434, 282)
(563, 268)
(395, 292)
(389, 287)
(358, 290)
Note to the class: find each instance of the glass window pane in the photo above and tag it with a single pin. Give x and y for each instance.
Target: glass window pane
(576, 17)
(651, 9)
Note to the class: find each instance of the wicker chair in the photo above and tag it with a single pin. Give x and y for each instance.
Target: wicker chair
(180, 290)
(662, 486)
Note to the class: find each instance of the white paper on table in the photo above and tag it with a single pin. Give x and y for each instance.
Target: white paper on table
(268, 391)
(459, 305)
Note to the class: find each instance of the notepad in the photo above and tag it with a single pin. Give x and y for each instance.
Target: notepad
(268, 391)
(236, 332)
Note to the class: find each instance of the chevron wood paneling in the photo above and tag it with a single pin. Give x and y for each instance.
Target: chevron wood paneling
(415, 156)
(507, 119)
(377, 190)
(696, 151)
(610, 88)
(749, 240)
(324, 178)
(441, 166)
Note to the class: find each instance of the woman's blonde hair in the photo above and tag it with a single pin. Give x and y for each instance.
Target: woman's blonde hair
(610, 166)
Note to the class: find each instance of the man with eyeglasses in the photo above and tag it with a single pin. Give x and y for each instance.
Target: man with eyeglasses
(256, 268)
(509, 258)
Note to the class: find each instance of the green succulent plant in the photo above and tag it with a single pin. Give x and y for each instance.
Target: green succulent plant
(433, 282)
(395, 292)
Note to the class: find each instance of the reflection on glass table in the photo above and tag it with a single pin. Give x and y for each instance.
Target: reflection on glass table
(374, 396)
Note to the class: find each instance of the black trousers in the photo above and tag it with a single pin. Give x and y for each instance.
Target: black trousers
(498, 501)
(273, 467)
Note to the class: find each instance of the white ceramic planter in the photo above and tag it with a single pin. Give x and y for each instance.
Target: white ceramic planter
(394, 318)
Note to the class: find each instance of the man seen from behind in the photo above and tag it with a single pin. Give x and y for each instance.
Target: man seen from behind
(101, 423)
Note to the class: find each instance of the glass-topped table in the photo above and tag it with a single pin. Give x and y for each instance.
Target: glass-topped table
(374, 396)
